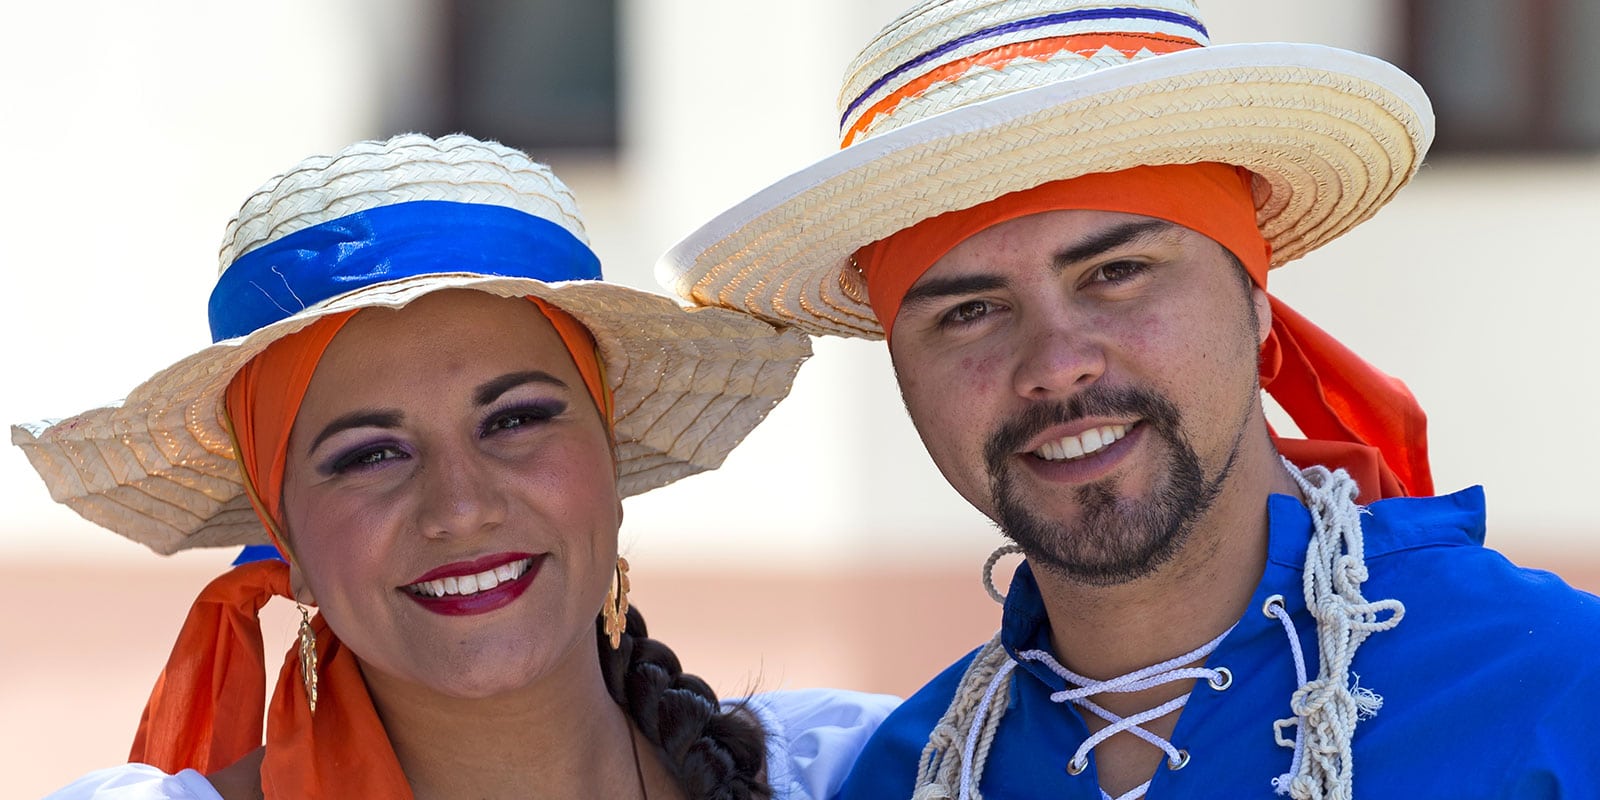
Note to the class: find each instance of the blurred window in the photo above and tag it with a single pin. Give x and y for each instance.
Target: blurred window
(1508, 76)
(535, 74)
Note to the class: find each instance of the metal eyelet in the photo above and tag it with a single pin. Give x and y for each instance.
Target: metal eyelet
(1075, 768)
(1266, 608)
(1183, 761)
(1223, 680)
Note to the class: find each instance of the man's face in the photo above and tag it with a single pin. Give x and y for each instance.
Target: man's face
(1086, 379)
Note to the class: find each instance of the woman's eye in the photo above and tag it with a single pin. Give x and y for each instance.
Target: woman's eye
(522, 417)
(968, 312)
(366, 458)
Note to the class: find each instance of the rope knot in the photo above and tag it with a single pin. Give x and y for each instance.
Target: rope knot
(1350, 573)
(1311, 698)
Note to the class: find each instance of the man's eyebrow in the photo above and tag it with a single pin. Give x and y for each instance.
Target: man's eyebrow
(1110, 239)
(491, 390)
(356, 419)
(928, 291)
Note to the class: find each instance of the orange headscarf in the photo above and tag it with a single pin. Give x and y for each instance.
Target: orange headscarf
(1356, 416)
(206, 709)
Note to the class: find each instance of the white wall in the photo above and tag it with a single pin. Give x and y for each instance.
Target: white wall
(133, 131)
(136, 130)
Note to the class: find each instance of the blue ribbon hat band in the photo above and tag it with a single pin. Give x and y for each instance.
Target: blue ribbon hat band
(421, 237)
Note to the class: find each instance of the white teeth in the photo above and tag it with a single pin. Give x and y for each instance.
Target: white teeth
(1071, 447)
(487, 580)
(1090, 441)
(472, 584)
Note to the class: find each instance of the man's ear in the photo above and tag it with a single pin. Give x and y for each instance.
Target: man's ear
(1263, 307)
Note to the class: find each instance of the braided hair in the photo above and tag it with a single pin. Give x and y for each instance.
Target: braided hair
(714, 754)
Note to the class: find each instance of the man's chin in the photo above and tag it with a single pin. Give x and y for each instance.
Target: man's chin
(1098, 573)
(1100, 539)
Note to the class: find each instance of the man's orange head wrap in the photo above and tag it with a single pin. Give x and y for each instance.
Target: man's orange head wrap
(205, 711)
(1353, 415)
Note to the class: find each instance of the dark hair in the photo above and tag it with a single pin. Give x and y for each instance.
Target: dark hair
(715, 754)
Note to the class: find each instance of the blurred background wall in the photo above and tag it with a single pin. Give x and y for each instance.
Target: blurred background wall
(828, 551)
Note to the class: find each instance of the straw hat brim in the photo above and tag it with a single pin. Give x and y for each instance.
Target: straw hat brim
(1330, 134)
(159, 468)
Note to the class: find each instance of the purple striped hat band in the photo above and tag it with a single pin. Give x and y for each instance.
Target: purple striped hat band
(1004, 30)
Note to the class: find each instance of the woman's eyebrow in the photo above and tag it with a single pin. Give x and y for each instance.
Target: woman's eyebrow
(356, 419)
(491, 390)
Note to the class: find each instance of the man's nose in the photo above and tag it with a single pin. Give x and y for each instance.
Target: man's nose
(1057, 358)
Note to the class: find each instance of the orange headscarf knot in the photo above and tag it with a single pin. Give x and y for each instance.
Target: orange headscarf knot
(1355, 416)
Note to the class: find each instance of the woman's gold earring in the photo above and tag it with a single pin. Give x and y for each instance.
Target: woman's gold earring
(308, 656)
(615, 612)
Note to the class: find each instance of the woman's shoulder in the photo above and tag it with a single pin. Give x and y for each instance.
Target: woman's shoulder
(138, 782)
(814, 735)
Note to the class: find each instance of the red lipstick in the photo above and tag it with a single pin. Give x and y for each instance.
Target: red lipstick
(425, 590)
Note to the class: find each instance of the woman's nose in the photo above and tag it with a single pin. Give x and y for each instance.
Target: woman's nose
(460, 495)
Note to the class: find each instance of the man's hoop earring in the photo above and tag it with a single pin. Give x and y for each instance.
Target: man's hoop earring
(308, 656)
(615, 612)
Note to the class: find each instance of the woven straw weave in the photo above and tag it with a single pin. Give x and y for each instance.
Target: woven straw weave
(159, 468)
(1330, 135)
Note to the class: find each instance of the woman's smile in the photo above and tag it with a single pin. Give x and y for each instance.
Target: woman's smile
(475, 587)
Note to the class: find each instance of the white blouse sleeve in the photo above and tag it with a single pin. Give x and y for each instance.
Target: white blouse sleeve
(814, 735)
(138, 782)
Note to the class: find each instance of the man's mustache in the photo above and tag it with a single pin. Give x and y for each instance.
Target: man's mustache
(1096, 401)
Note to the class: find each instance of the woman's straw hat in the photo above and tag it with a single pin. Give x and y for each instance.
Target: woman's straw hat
(958, 102)
(380, 224)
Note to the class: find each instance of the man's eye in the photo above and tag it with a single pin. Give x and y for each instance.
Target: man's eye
(1119, 271)
(967, 312)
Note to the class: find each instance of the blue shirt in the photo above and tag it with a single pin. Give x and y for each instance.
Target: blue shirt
(1490, 683)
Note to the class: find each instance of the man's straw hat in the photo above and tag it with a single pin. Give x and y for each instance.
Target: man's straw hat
(958, 102)
(380, 224)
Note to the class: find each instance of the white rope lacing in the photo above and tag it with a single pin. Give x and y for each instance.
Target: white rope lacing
(1173, 669)
(1274, 609)
(1325, 710)
(945, 771)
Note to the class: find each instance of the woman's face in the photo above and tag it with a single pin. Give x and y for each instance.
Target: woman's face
(450, 497)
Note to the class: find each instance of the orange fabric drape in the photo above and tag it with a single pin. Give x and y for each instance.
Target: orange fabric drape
(1356, 416)
(205, 711)
(218, 663)
(261, 403)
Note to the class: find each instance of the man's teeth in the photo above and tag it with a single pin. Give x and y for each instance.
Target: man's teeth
(472, 584)
(1083, 444)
